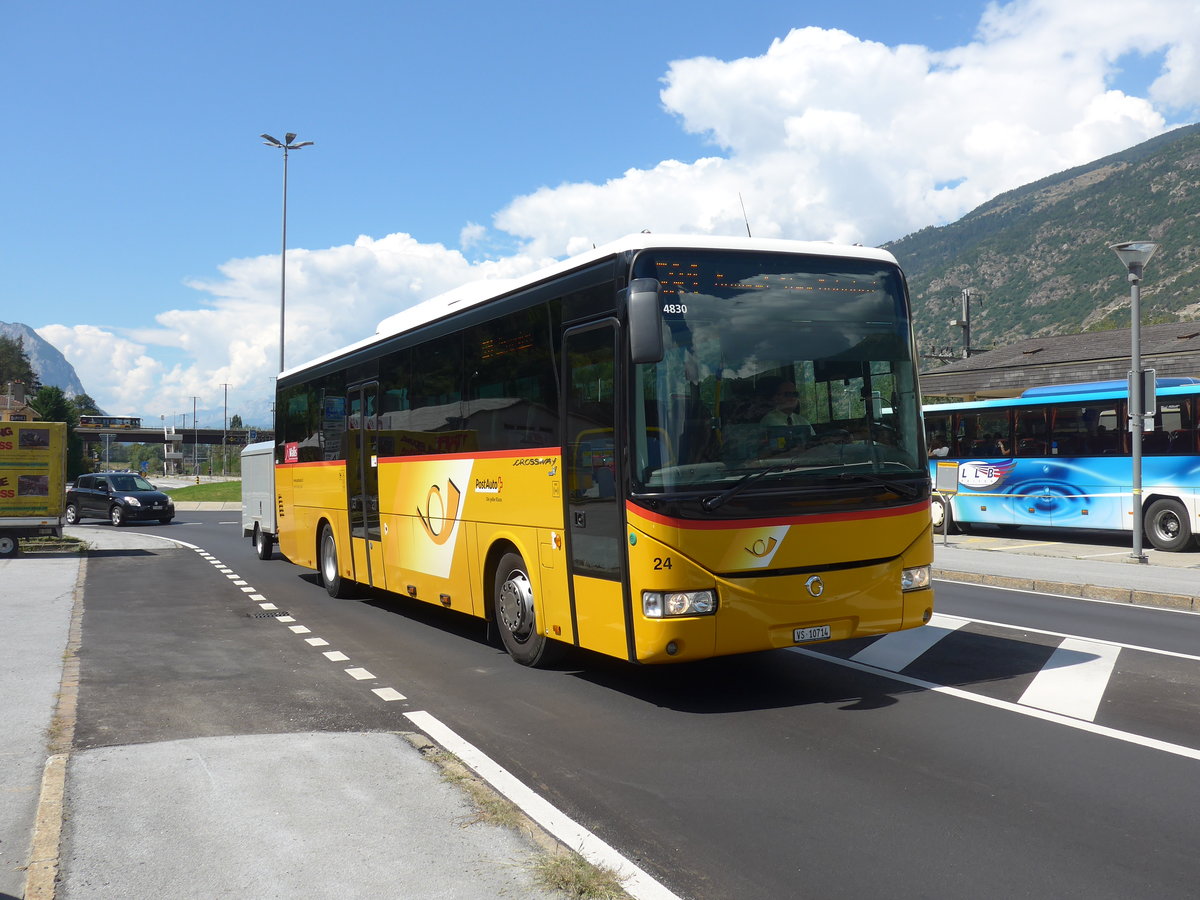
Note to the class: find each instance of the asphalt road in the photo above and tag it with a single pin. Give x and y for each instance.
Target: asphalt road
(793, 773)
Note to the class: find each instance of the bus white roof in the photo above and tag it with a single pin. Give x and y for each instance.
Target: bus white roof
(476, 292)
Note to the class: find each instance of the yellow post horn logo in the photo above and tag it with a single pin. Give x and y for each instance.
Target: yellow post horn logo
(447, 514)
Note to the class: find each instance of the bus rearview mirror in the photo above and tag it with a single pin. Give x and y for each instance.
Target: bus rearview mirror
(645, 321)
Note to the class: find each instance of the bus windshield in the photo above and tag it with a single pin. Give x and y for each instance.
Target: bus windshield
(780, 372)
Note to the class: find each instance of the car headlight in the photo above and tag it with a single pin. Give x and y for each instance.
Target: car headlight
(667, 604)
(132, 501)
(914, 579)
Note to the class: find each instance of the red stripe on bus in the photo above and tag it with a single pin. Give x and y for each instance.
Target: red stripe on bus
(487, 454)
(814, 519)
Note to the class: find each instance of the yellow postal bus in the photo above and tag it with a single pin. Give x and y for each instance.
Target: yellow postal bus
(669, 448)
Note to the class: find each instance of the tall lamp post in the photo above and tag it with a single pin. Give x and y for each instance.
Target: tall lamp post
(1134, 255)
(288, 143)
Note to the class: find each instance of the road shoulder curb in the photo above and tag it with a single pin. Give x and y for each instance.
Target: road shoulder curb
(41, 874)
(1131, 596)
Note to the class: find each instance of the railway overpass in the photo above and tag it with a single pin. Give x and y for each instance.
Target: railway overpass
(184, 436)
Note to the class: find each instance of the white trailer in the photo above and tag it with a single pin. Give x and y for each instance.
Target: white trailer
(258, 496)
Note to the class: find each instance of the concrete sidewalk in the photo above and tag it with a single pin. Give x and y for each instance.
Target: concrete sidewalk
(356, 814)
(349, 815)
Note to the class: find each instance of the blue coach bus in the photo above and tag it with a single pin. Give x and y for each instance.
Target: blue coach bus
(1059, 456)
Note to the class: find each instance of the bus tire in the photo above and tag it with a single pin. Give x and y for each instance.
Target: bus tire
(514, 607)
(262, 543)
(335, 585)
(9, 546)
(1167, 525)
(939, 509)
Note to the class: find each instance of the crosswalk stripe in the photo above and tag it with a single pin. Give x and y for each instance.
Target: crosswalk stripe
(895, 651)
(1073, 680)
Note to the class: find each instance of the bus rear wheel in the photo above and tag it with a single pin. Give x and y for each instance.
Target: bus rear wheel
(1167, 525)
(335, 585)
(514, 604)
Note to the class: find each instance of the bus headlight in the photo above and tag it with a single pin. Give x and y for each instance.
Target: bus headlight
(666, 604)
(914, 579)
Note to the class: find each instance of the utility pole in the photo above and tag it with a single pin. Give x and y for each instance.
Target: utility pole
(195, 443)
(224, 429)
(965, 322)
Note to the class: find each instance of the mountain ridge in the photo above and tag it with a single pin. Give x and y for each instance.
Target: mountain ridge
(1037, 258)
(47, 360)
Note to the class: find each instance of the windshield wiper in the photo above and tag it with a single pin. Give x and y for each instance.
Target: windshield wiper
(708, 504)
(905, 490)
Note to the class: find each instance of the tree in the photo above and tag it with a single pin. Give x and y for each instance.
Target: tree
(53, 406)
(235, 422)
(85, 405)
(15, 365)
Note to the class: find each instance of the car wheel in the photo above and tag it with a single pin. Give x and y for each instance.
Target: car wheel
(1167, 525)
(9, 546)
(71, 516)
(117, 516)
(336, 586)
(262, 543)
(514, 606)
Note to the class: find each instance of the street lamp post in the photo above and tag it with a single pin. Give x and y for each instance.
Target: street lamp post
(288, 143)
(1134, 255)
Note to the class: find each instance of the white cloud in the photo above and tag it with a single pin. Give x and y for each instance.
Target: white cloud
(823, 136)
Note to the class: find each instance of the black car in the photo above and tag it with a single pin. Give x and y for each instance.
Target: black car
(119, 497)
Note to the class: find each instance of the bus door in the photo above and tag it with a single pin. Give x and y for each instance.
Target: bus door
(362, 483)
(592, 462)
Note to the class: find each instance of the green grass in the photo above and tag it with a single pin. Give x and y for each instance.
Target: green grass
(216, 492)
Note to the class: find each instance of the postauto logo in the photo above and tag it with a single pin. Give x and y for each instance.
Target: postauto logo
(980, 475)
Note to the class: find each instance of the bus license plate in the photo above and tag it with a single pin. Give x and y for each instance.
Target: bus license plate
(815, 633)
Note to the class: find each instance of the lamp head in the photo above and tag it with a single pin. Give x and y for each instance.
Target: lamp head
(1135, 254)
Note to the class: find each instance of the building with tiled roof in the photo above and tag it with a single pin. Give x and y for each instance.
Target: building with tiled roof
(1171, 350)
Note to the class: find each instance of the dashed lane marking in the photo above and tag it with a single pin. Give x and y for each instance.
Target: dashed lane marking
(900, 648)
(1073, 680)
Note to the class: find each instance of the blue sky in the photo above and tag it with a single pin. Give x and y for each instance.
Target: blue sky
(141, 213)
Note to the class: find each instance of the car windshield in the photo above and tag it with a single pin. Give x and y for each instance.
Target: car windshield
(129, 483)
(797, 370)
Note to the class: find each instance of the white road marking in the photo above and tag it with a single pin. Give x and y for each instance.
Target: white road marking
(285, 618)
(1073, 680)
(359, 674)
(388, 694)
(257, 598)
(1030, 711)
(317, 642)
(637, 883)
(267, 606)
(335, 656)
(896, 650)
(299, 629)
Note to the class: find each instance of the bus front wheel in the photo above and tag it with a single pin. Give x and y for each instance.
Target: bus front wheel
(1167, 525)
(513, 606)
(940, 511)
(336, 586)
